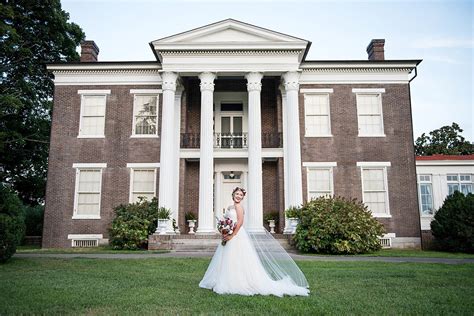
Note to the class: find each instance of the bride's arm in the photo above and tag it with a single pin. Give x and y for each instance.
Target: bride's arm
(240, 221)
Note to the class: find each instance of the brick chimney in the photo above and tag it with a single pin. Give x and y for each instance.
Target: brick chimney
(376, 49)
(89, 51)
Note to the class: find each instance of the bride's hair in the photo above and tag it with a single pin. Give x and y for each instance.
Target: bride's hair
(239, 189)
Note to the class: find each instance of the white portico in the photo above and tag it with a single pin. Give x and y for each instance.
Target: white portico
(221, 50)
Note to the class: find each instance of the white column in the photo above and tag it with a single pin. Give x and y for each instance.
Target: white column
(286, 229)
(176, 145)
(217, 198)
(167, 152)
(294, 186)
(206, 160)
(255, 193)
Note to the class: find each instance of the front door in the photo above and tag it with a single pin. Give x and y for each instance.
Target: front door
(230, 180)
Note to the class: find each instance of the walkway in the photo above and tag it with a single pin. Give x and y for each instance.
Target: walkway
(209, 254)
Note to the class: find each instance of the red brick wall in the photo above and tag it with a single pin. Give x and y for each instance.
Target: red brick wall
(346, 148)
(116, 149)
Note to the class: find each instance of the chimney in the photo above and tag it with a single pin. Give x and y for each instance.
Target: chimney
(376, 49)
(89, 51)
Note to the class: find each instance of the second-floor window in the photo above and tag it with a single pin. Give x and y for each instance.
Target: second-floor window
(317, 118)
(369, 113)
(145, 115)
(92, 120)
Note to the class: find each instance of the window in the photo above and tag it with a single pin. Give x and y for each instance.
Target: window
(319, 179)
(459, 182)
(426, 194)
(92, 120)
(142, 181)
(369, 111)
(145, 115)
(88, 191)
(375, 188)
(317, 118)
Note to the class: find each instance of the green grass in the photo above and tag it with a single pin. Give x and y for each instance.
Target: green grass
(101, 249)
(170, 286)
(409, 253)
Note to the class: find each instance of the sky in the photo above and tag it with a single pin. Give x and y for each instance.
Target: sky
(439, 32)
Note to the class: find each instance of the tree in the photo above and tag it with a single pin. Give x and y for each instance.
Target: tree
(453, 223)
(33, 32)
(446, 141)
(12, 222)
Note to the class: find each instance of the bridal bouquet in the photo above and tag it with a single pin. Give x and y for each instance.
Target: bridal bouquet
(225, 226)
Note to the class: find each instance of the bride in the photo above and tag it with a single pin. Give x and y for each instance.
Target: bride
(252, 262)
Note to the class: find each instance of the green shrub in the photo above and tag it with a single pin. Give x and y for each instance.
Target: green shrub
(275, 215)
(453, 223)
(12, 222)
(34, 220)
(133, 224)
(164, 213)
(292, 212)
(337, 225)
(189, 216)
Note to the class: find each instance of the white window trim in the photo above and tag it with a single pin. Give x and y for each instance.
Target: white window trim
(317, 91)
(149, 92)
(368, 90)
(320, 166)
(89, 165)
(419, 183)
(373, 92)
(78, 167)
(84, 236)
(376, 165)
(146, 91)
(93, 92)
(83, 93)
(308, 92)
(141, 166)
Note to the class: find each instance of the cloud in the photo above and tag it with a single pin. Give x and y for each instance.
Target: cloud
(444, 43)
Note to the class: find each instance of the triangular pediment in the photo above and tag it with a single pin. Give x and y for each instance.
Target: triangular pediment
(229, 34)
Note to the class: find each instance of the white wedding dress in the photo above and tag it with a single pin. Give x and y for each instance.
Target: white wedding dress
(237, 269)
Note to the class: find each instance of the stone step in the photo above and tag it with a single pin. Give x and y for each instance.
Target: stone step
(201, 243)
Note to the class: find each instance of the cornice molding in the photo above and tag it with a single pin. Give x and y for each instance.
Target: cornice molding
(229, 52)
(354, 70)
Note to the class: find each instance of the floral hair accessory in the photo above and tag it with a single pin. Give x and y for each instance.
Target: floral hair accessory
(239, 189)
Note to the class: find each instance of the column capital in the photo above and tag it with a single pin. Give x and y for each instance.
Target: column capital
(291, 80)
(254, 81)
(207, 81)
(169, 80)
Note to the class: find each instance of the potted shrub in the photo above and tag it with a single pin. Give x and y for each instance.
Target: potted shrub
(191, 219)
(164, 215)
(292, 215)
(272, 220)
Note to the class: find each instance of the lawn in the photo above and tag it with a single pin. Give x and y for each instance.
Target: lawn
(100, 249)
(170, 286)
(381, 253)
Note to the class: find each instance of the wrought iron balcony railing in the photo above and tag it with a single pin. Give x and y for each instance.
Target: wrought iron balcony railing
(231, 140)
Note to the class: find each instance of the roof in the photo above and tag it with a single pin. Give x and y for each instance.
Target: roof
(445, 157)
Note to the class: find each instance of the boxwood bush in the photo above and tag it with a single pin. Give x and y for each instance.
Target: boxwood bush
(453, 223)
(133, 223)
(12, 222)
(336, 225)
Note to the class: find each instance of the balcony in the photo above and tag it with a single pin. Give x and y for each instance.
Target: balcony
(232, 140)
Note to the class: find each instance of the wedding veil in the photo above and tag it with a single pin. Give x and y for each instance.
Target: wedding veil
(276, 261)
